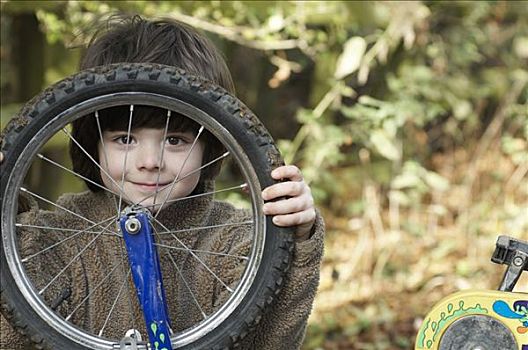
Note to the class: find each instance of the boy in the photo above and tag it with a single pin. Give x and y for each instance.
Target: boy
(170, 43)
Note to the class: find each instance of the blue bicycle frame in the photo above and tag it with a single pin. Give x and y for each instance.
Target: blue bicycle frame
(145, 266)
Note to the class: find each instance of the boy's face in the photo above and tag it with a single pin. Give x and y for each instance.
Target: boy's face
(143, 164)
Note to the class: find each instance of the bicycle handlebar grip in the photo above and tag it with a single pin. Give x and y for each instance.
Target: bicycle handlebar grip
(506, 250)
(514, 253)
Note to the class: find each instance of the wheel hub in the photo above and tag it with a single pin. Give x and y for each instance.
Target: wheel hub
(477, 332)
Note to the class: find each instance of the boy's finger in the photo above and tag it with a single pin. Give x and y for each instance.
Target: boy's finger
(282, 189)
(287, 172)
(301, 218)
(287, 206)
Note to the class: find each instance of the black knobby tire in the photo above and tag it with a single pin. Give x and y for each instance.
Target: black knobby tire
(164, 81)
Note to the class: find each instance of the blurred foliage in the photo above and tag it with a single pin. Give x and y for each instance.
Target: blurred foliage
(414, 139)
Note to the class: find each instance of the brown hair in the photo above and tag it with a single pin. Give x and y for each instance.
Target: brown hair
(133, 39)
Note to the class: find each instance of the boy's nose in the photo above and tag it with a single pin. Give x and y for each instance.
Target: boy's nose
(149, 159)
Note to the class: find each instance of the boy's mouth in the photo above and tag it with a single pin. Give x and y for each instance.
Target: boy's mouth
(150, 185)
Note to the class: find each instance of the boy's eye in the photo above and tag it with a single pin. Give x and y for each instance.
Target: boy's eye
(174, 140)
(124, 139)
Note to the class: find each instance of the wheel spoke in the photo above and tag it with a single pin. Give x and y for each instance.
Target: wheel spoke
(100, 131)
(93, 290)
(186, 175)
(49, 228)
(27, 258)
(129, 289)
(202, 251)
(195, 256)
(161, 154)
(65, 209)
(204, 315)
(125, 280)
(241, 223)
(72, 260)
(203, 166)
(94, 161)
(179, 172)
(183, 279)
(74, 173)
(118, 213)
(126, 156)
(244, 185)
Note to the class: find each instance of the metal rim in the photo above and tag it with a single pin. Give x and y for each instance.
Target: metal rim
(21, 167)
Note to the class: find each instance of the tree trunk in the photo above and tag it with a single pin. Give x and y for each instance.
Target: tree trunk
(27, 56)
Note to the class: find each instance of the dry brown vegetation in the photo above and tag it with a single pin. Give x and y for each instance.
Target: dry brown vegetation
(378, 282)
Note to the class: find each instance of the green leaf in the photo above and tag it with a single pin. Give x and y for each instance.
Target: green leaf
(462, 110)
(305, 116)
(370, 101)
(276, 22)
(384, 145)
(406, 180)
(520, 47)
(350, 59)
(436, 181)
(399, 197)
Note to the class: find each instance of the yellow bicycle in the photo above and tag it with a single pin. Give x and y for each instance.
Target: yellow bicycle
(483, 320)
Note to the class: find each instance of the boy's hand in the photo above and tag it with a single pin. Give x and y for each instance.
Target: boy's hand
(297, 209)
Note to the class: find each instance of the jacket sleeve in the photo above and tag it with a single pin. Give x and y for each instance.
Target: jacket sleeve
(9, 337)
(39, 267)
(284, 324)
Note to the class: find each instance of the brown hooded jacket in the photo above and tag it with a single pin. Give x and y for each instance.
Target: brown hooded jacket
(282, 327)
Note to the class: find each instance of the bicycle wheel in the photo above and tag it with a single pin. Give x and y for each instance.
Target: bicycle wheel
(65, 281)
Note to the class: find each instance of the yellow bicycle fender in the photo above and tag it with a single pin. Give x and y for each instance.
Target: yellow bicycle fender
(510, 309)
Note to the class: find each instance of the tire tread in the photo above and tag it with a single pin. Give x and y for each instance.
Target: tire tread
(99, 76)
